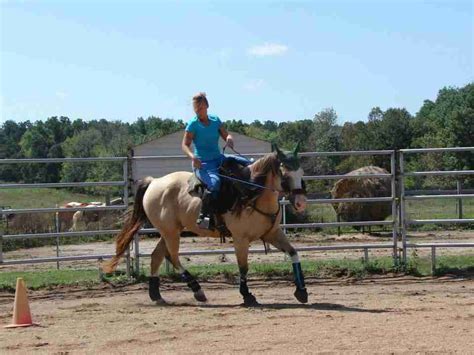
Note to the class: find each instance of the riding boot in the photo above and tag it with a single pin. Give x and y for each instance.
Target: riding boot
(204, 219)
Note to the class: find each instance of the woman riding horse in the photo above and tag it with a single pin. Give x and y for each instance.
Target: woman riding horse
(168, 205)
(204, 130)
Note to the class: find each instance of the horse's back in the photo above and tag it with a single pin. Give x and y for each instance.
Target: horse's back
(178, 178)
(168, 186)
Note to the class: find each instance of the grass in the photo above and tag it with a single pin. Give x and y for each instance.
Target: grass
(42, 197)
(355, 268)
(49, 278)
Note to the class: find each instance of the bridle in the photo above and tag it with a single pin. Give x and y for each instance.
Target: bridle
(288, 192)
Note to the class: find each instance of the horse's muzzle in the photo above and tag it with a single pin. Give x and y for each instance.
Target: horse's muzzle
(298, 201)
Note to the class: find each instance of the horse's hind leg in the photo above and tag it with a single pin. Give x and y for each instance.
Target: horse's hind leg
(157, 257)
(172, 244)
(242, 253)
(280, 241)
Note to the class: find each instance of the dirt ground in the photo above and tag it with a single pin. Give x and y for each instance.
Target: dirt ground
(189, 243)
(378, 315)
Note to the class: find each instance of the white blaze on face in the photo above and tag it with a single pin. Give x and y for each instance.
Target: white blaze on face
(295, 179)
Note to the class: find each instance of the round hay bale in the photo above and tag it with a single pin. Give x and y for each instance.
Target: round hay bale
(363, 187)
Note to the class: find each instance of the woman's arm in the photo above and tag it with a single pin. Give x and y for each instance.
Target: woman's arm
(227, 137)
(186, 146)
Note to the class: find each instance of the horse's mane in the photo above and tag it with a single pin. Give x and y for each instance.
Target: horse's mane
(263, 166)
(258, 175)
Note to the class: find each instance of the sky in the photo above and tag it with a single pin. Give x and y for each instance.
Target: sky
(266, 60)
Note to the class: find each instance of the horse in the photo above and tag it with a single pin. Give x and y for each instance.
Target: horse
(86, 217)
(169, 206)
(65, 217)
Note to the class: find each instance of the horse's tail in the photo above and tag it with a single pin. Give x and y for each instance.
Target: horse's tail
(133, 222)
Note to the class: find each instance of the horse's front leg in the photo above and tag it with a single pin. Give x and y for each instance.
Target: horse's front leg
(242, 252)
(280, 241)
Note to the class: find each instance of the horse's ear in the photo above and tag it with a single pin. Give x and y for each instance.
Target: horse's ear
(274, 147)
(297, 148)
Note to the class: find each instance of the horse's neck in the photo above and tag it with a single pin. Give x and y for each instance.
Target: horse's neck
(268, 200)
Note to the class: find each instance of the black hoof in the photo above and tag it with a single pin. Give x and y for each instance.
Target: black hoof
(200, 296)
(301, 295)
(250, 301)
(154, 289)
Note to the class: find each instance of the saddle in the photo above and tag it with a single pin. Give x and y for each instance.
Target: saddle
(233, 194)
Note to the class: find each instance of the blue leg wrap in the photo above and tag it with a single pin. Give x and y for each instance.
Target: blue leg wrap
(298, 274)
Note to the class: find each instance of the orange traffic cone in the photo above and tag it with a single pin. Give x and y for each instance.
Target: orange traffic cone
(21, 308)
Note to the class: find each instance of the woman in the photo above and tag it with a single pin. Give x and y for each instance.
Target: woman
(204, 131)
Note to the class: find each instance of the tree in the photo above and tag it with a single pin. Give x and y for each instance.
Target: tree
(376, 114)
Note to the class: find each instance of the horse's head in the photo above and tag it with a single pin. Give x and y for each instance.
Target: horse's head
(292, 177)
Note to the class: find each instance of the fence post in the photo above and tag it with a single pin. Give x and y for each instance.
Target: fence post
(1, 237)
(366, 255)
(393, 171)
(459, 189)
(127, 259)
(136, 241)
(125, 180)
(125, 202)
(402, 223)
(433, 260)
(1, 248)
(56, 220)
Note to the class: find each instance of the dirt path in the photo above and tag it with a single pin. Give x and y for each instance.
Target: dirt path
(379, 315)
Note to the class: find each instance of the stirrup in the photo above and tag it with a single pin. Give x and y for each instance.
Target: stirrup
(204, 222)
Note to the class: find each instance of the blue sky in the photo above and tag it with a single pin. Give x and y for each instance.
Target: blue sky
(264, 60)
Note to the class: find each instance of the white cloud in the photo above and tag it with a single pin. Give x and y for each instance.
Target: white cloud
(61, 95)
(254, 84)
(268, 49)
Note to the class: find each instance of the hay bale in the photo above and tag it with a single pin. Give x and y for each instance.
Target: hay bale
(363, 187)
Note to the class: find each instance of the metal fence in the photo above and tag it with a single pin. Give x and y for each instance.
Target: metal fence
(57, 234)
(398, 226)
(406, 222)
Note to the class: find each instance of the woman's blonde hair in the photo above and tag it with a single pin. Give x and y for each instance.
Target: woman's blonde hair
(201, 97)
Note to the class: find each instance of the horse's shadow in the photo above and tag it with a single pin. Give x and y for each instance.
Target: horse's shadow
(275, 306)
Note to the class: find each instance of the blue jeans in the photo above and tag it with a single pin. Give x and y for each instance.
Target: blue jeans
(208, 173)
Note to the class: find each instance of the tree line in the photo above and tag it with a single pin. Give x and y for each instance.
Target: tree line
(447, 121)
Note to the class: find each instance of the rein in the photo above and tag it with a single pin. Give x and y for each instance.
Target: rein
(273, 218)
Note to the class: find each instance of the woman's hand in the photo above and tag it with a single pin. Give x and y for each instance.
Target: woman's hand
(196, 163)
(230, 142)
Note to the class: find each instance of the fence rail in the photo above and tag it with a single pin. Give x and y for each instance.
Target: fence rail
(399, 222)
(405, 221)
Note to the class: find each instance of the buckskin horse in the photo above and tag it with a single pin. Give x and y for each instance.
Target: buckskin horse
(169, 206)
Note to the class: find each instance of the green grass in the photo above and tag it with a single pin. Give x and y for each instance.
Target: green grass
(436, 208)
(42, 197)
(41, 279)
(355, 268)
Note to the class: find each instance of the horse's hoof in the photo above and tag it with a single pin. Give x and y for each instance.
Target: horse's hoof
(250, 301)
(154, 289)
(161, 302)
(301, 295)
(200, 296)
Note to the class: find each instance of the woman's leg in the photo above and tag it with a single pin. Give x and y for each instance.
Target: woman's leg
(209, 175)
(238, 159)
